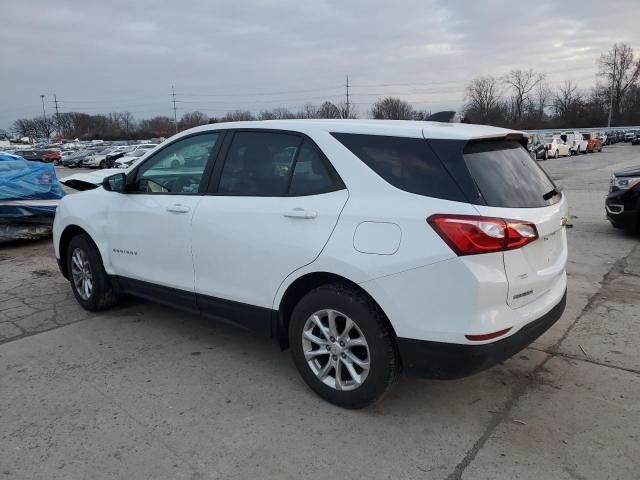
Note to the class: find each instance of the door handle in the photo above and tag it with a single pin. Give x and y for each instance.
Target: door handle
(177, 208)
(300, 213)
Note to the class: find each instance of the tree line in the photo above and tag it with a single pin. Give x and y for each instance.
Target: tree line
(523, 98)
(520, 99)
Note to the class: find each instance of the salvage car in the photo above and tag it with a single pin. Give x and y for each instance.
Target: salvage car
(29, 196)
(556, 147)
(75, 159)
(622, 204)
(537, 147)
(367, 247)
(127, 160)
(594, 142)
(576, 142)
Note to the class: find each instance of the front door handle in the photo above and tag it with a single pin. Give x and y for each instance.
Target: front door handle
(300, 213)
(177, 208)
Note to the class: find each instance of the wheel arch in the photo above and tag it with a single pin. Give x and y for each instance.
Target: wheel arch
(67, 235)
(303, 285)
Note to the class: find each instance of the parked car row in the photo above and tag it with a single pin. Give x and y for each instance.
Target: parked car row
(616, 136)
(84, 154)
(45, 155)
(564, 144)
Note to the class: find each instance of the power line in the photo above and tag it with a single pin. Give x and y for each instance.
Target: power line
(261, 94)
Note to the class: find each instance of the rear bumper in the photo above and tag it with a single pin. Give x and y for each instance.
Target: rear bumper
(439, 360)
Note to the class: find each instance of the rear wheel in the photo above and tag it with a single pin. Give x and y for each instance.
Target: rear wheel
(343, 346)
(89, 282)
(102, 164)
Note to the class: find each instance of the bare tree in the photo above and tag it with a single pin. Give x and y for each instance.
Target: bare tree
(192, 119)
(392, 108)
(237, 116)
(347, 112)
(543, 99)
(421, 114)
(157, 127)
(567, 99)
(127, 123)
(621, 70)
(521, 82)
(278, 113)
(483, 98)
(24, 127)
(41, 127)
(309, 110)
(329, 110)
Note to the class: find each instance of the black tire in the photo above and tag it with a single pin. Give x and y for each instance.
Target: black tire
(545, 156)
(383, 353)
(557, 154)
(175, 164)
(102, 164)
(103, 294)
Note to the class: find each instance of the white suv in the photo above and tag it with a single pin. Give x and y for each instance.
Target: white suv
(367, 247)
(576, 142)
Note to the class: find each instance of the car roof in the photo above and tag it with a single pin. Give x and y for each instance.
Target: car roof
(401, 128)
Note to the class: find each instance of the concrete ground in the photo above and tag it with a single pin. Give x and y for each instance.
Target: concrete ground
(144, 391)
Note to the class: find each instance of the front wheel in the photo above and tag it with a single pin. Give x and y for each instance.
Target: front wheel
(556, 155)
(343, 346)
(90, 283)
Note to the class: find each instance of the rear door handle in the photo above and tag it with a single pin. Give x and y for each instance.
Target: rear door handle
(177, 208)
(300, 213)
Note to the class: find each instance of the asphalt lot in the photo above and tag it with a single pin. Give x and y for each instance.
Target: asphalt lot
(144, 391)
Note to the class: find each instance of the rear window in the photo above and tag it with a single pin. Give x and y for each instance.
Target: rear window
(406, 163)
(507, 176)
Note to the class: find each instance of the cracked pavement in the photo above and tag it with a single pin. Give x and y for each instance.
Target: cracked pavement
(144, 391)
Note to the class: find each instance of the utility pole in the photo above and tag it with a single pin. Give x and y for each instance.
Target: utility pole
(613, 77)
(44, 112)
(55, 100)
(347, 85)
(175, 115)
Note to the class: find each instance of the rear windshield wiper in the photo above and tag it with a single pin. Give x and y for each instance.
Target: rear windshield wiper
(550, 194)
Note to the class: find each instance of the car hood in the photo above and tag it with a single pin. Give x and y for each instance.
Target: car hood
(628, 172)
(88, 181)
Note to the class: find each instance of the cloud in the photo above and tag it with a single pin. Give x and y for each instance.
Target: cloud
(256, 54)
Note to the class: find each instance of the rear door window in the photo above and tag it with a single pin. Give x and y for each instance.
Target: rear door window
(406, 163)
(507, 176)
(259, 164)
(310, 174)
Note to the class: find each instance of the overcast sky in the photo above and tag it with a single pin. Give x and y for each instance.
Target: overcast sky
(122, 55)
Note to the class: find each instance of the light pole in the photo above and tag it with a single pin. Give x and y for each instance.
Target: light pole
(44, 112)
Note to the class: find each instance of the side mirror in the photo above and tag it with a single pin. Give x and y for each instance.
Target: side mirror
(114, 183)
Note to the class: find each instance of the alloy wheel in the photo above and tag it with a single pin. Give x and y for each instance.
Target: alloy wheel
(336, 350)
(81, 274)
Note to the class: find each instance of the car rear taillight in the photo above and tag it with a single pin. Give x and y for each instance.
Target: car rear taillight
(472, 235)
